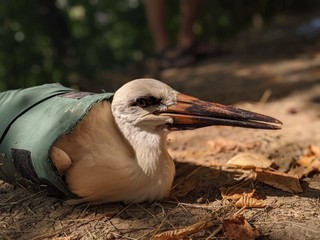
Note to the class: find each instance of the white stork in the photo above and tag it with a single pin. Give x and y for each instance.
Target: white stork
(118, 152)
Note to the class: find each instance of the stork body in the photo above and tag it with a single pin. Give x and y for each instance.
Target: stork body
(106, 167)
(118, 152)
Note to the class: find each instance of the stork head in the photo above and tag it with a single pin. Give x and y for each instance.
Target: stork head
(154, 106)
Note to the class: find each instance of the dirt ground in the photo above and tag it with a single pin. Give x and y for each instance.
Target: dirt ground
(273, 74)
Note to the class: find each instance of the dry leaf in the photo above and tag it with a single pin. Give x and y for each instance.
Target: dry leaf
(237, 228)
(286, 182)
(301, 172)
(315, 150)
(243, 197)
(308, 163)
(235, 193)
(183, 232)
(250, 202)
(316, 164)
(312, 158)
(250, 160)
(305, 160)
(224, 145)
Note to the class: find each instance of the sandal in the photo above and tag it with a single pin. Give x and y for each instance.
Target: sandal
(175, 58)
(182, 57)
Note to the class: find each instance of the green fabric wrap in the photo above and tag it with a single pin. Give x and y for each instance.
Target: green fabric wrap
(31, 120)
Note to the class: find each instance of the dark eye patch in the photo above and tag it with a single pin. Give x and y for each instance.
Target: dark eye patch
(147, 101)
(154, 101)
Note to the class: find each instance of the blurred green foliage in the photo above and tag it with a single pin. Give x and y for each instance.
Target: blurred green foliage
(45, 41)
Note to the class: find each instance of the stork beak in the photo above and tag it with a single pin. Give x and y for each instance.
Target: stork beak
(191, 113)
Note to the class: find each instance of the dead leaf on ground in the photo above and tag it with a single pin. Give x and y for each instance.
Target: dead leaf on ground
(183, 232)
(250, 160)
(284, 181)
(250, 202)
(222, 145)
(315, 150)
(312, 158)
(308, 163)
(235, 193)
(237, 228)
(242, 197)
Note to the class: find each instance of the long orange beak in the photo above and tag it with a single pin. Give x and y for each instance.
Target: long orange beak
(191, 113)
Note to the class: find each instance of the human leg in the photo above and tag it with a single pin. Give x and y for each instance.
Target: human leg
(156, 14)
(189, 11)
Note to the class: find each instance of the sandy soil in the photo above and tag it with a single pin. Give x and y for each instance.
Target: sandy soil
(280, 78)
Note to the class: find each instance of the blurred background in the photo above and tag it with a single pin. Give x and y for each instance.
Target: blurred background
(95, 44)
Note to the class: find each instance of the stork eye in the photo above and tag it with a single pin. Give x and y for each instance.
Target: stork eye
(145, 102)
(142, 102)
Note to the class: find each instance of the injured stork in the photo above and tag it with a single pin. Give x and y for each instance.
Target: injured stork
(104, 147)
